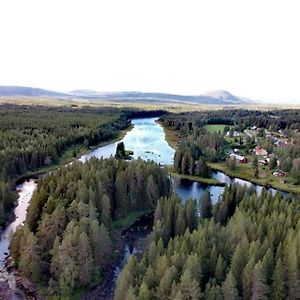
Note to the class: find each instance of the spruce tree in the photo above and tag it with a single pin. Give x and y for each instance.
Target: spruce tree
(260, 290)
(85, 260)
(229, 288)
(278, 285)
(144, 292)
(189, 287)
(205, 205)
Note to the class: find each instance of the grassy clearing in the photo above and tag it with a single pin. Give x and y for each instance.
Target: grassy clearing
(246, 172)
(130, 218)
(212, 128)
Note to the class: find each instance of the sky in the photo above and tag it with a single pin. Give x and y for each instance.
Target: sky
(249, 48)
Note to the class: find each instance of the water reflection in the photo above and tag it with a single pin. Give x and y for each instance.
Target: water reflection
(146, 139)
(25, 191)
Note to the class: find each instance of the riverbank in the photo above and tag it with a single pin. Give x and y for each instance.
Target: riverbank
(171, 136)
(12, 275)
(242, 172)
(246, 174)
(68, 157)
(140, 221)
(208, 181)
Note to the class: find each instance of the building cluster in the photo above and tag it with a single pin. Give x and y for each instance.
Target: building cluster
(278, 138)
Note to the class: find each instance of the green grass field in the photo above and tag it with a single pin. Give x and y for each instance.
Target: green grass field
(215, 128)
(130, 218)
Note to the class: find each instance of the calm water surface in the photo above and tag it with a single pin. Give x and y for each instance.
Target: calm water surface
(146, 139)
(25, 191)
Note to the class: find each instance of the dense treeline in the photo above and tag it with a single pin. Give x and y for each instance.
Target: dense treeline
(36, 136)
(248, 249)
(271, 120)
(65, 243)
(198, 148)
(33, 137)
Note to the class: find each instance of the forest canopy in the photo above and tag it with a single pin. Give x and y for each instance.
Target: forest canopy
(32, 137)
(247, 249)
(66, 241)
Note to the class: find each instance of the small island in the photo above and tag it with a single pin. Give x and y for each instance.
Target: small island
(122, 153)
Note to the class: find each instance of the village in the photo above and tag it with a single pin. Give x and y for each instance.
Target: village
(259, 155)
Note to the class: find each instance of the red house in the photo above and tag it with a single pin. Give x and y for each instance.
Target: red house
(239, 158)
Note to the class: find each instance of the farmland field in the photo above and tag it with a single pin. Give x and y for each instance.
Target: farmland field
(215, 128)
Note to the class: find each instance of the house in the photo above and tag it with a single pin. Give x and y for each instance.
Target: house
(260, 151)
(281, 144)
(239, 158)
(263, 162)
(279, 173)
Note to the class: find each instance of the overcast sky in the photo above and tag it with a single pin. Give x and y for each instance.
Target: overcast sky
(250, 48)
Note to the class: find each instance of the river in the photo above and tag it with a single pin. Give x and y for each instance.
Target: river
(147, 140)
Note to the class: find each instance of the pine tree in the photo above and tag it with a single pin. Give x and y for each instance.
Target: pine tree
(177, 160)
(124, 280)
(121, 206)
(165, 285)
(30, 263)
(105, 211)
(247, 278)
(144, 292)
(67, 257)
(213, 292)
(293, 276)
(85, 260)
(260, 289)
(55, 262)
(220, 270)
(237, 265)
(120, 151)
(189, 287)
(278, 285)
(130, 294)
(15, 245)
(268, 266)
(101, 243)
(229, 288)
(205, 205)
(180, 222)
(151, 192)
(191, 214)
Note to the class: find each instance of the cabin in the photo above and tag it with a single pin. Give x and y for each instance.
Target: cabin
(279, 173)
(239, 158)
(260, 151)
(281, 144)
(263, 162)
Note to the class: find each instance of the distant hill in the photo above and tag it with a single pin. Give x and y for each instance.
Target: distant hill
(28, 92)
(215, 97)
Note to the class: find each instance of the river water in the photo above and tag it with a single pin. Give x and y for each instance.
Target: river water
(147, 140)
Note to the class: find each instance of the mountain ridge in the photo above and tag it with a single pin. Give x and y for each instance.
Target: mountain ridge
(213, 97)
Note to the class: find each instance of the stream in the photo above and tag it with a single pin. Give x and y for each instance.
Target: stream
(147, 140)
